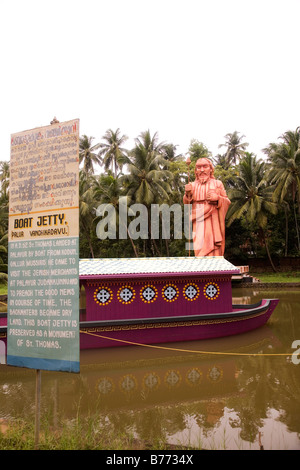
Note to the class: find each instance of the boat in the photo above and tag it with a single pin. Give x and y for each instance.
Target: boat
(144, 301)
(159, 300)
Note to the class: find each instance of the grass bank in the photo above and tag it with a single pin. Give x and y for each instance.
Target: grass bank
(80, 434)
(283, 277)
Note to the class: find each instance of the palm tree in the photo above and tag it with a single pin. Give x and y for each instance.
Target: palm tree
(251, 197)
(169, 153)
(284, 158)
(147, 182)
(235, 147)
(112, 151)
(88, 155)
(109, 190)
(86, 206)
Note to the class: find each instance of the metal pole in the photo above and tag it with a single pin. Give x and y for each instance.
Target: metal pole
(37, 408)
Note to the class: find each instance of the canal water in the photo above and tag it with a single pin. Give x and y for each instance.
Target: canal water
(235, 393)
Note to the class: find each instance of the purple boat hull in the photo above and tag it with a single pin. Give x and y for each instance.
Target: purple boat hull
(115, 333)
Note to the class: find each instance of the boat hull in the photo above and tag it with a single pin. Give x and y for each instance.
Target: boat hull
(117, 333)
(174, 329)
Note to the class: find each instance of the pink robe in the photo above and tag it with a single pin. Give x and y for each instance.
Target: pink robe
(208, 219)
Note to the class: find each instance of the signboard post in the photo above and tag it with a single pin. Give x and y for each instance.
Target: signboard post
(43, 274)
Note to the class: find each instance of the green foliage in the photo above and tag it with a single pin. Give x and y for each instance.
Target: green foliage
(87, 154)
(198, 150)
(235, 148)
(114, 155)
(263, 218)
(251, 196)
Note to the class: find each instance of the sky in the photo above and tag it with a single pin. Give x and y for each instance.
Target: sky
(192, 69)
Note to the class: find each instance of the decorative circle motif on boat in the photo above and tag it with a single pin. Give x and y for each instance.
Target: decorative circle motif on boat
(105, 386)
(148, 294)
(211, 290)
(215, 374)
(191, 291)
(151, 381)
(126, 294)
(103, 295)
(128, 383)
(194, 376)
(170, 292)
(172, 378)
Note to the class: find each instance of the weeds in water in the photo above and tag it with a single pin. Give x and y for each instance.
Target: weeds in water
(77, 434)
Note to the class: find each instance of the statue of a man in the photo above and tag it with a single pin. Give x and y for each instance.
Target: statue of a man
(210, 203)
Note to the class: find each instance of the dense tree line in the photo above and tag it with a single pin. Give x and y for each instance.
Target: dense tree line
(263, 218)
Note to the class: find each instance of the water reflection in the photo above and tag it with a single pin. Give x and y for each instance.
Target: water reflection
(185, 393)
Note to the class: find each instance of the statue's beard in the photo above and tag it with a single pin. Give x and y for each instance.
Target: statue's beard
(203, 178)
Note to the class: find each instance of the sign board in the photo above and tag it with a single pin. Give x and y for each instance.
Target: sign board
(43, 256)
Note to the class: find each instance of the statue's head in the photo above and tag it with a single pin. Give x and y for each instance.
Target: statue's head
(204, 169)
